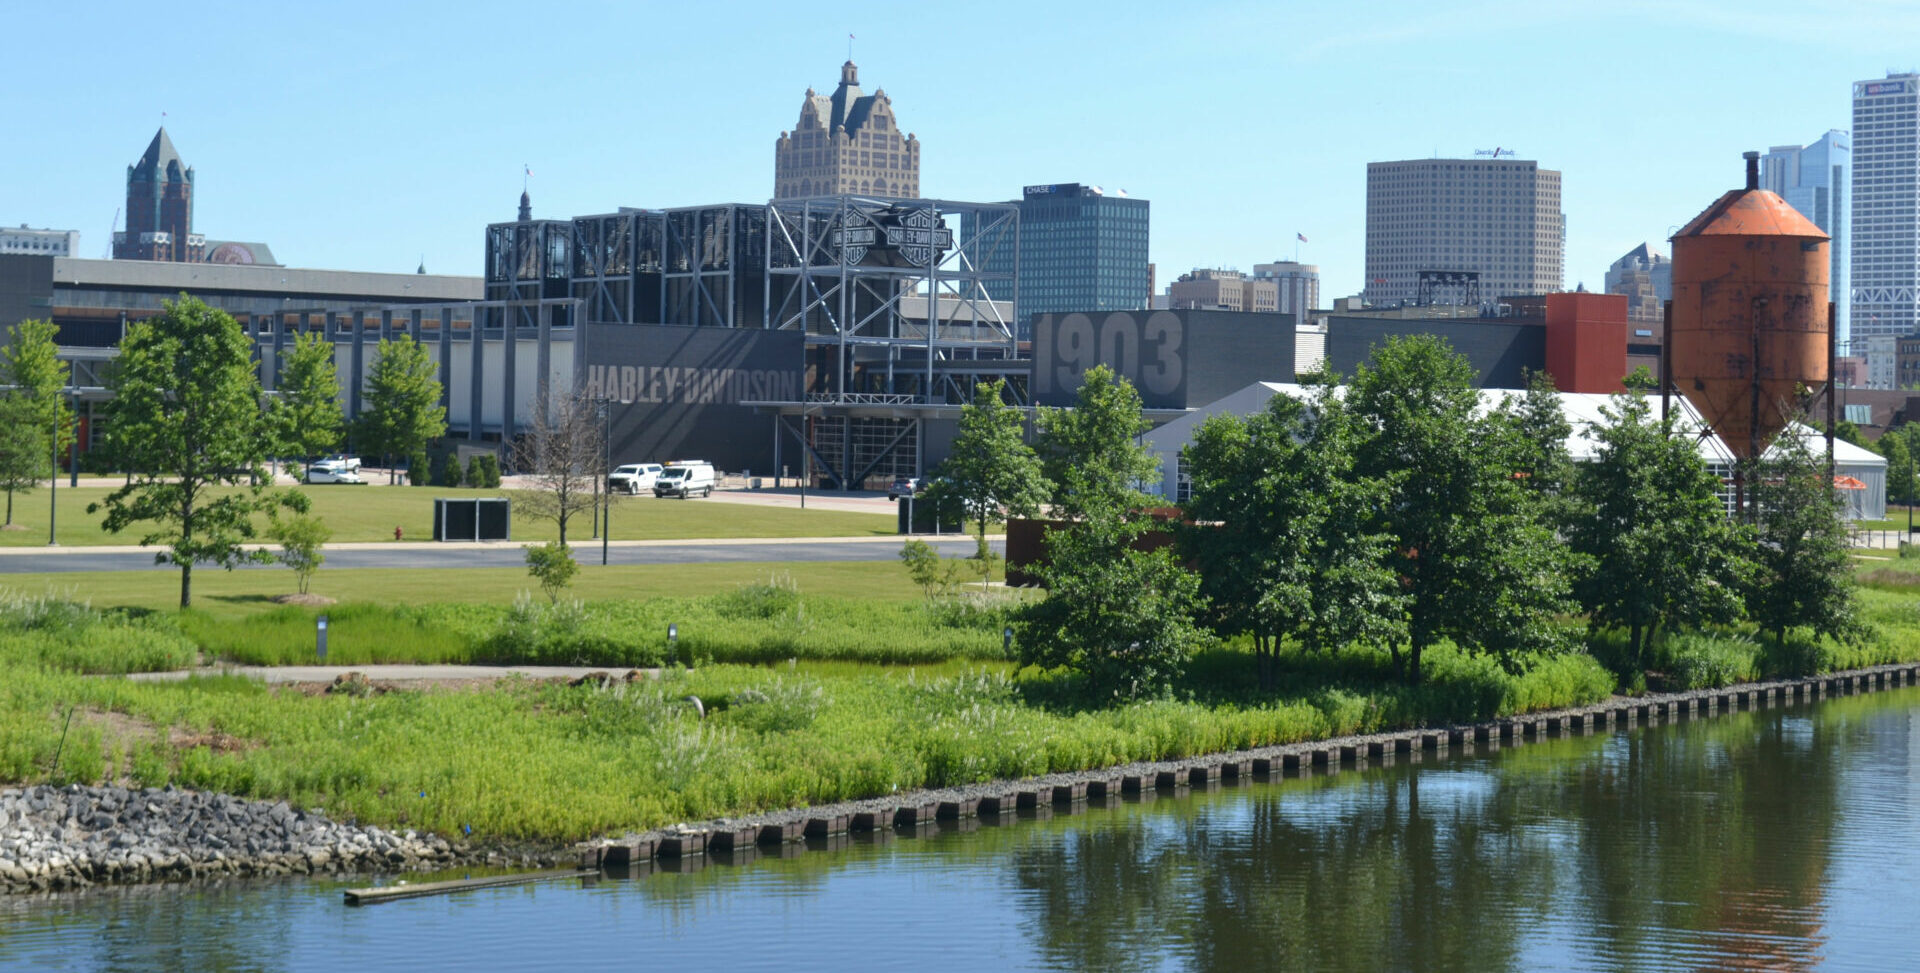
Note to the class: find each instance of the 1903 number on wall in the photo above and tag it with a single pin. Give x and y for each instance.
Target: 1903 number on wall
(1150, 353)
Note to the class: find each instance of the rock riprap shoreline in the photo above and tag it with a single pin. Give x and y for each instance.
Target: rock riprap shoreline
(74, 836)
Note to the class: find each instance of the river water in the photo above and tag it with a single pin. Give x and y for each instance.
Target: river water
(1781, 839)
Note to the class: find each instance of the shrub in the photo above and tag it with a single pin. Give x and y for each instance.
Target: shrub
(1698, 660)
(483, 471)
(419, 470)
(301, 538)
(447, 472)
(553, 566)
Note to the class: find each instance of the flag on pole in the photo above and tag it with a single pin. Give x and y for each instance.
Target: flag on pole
(1302, 237)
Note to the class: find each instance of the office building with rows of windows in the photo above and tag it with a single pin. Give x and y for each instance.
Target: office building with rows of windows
(1885, 268)
(1498, 219)
(1814, 179)
(1081, 249)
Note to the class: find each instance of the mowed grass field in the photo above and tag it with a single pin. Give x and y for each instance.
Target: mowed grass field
(370, 513)
(250, 591)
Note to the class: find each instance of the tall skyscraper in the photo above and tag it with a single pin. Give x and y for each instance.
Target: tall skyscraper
(1816, 180)
(846, 143)
(159, 208)
(1885, 272)
(1081, 249)
(1496, 221)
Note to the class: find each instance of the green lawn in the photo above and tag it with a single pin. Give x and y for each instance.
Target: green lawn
(232, 593)
(370, 513)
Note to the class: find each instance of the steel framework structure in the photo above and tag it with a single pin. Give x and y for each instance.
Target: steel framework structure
(846, 269)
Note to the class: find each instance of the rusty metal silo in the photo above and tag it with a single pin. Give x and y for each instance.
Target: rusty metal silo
(1750, 324)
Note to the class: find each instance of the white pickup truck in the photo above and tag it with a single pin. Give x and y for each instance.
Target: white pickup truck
(633, 478)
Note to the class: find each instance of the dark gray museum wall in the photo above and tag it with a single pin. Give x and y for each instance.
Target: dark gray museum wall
(675, 393)
(1176, 359)
(1234, 349)
(1502, 352)
(26, 288)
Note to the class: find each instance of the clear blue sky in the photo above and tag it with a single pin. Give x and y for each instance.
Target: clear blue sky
(367, 135)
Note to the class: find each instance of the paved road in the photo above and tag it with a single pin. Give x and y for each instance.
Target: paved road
(510, 556)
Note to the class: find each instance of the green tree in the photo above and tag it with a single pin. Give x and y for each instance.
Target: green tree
(935, 575)
(25, 458)
(402, 409)
(990, 467)
(1803, 573)
(1899, 455)
(1091, 454)
(306, 416)
(1478, 563)
(483, 471)
(552, 565)
(30, 363)
(562, 458)
(187, 420)
(1660, 548)
(1641, 379)
(1122, 617)
(1278, 530)
(1539, 444)
(302, 539)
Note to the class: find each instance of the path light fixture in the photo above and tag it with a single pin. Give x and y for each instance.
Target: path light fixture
(1006, 640)
(320, 637)
(673, 642)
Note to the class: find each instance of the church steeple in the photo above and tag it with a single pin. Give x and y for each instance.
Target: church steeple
(526, 206)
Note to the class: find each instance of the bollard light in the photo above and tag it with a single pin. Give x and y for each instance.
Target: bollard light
(320, 635)
(673, 641)
(1006, 640)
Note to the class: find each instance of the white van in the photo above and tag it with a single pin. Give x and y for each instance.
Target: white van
(684, 478)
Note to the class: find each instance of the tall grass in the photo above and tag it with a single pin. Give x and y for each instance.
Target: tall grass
(758, 624)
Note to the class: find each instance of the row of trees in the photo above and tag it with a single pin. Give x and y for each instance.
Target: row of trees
(1395, 514)
(189, 420)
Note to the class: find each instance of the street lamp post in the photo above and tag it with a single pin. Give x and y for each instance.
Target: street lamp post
(606, 461)
(53, 480)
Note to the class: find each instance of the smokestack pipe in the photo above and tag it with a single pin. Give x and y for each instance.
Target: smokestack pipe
(1753, 169)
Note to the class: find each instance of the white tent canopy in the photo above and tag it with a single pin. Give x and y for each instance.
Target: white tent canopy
(1852, 464)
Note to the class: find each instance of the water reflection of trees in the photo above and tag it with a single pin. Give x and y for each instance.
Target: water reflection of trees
(1331, 875)
(1702, 845)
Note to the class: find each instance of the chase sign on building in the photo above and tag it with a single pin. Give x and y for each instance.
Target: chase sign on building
(892, 237)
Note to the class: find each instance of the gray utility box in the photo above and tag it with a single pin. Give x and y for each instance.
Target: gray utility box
(472, 519)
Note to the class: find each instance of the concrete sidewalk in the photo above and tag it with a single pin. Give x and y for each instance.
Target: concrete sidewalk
(279, 675)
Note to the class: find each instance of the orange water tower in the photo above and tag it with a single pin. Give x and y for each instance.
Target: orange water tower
(1751, 327)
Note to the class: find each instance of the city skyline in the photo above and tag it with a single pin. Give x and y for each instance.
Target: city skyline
(352, 146)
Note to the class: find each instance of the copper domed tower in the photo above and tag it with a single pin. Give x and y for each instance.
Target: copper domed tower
(1751, 327)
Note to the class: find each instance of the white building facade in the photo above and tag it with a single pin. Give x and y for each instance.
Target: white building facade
(44, 243)
(1498, 218)
(1885, 271)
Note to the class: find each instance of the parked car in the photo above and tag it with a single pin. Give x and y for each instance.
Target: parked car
(906, 486)
(328, 471)
(633, 478)
(684, 478)
(343, 461)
